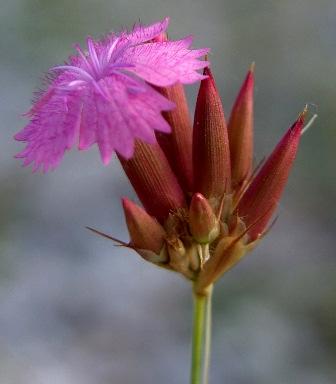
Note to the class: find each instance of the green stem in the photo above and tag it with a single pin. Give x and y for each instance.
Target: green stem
(207, 337)
(201, 338)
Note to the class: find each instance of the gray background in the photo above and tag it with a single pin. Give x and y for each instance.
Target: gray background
(74, 309)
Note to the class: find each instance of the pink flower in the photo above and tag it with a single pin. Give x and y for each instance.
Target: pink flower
(103, 96)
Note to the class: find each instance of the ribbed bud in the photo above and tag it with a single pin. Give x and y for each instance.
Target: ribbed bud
(240, 129)
(203, 223)
(177, 145)
(211, 156)
(153, 180)
(144, 230)
(262, 196)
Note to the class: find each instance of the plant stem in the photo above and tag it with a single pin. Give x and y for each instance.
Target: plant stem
(201, 338)
(207, 337)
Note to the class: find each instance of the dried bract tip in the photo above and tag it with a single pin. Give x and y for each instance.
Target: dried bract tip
(240, 130)
(309, 124)
(203, 223)
(145, 232)
(261, 198)
(211, 157)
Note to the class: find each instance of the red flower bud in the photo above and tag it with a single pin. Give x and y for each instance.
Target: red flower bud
(203, 223)
(153, 180)
(211, 156)
(261, 198)
(240, 129)
(145, 232)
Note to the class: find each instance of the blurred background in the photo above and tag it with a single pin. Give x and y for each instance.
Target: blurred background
(73, 308)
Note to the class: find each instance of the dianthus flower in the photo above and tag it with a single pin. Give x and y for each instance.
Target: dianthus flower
(205, 205)
(103, 95)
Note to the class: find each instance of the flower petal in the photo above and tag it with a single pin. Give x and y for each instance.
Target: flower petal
(52, 130)
(116, 43)
(141, 33)
(115, 123)
(100, 96)
(89, 120)
(165, 63)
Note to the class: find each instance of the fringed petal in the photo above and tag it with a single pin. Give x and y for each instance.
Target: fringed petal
(52, 130)
(165, 63)
(143, 33)
(122, 118)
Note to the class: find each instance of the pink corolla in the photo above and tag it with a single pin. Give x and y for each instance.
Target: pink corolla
(104, 95)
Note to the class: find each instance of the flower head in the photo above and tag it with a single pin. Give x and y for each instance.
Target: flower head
(104, 95)
(204, 229)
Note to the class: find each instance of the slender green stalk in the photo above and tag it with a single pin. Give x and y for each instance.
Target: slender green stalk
(197, 339)
(201, 338)
(207, 337)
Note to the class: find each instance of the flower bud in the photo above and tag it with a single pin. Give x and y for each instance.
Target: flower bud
(211, 156)
(240, 129)
(262, 196)
(145, 232)
(203, 223)
(153, 180)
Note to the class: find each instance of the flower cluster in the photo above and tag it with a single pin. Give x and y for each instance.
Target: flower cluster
(204, 204)
(103, 95)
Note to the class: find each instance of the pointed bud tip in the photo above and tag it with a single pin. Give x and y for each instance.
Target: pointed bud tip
(303, 114)
(199, 204)
(249, 80)
(299, 122)
(126, 203)
(261, 198)
(207, 72)
(144, 230)
(203, 222)
(252, 67)
(198, 197)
